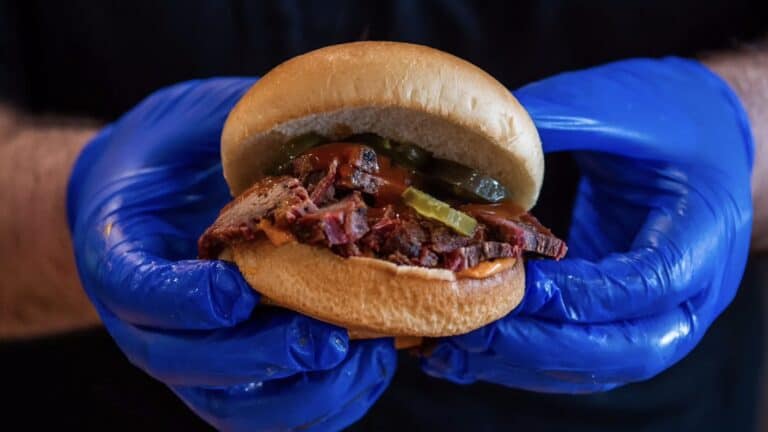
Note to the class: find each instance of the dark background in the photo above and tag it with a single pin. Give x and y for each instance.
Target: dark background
(101, 58)
(98, 59)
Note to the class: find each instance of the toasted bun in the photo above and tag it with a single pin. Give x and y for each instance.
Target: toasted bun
(408, 93)
(374, 297)
(405, 92)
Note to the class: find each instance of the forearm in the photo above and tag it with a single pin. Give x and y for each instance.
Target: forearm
(746, 70)
(41, 292)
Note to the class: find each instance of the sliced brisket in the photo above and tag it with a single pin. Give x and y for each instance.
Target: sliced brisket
(382, 221)
(443, 239)
(527, 234)
(322, 190)
(323, 205)
(336, 224)
(354, 155)
(283, 198)
(425, 258)
(353, 178)
(405, 237)
(472, 255)
(345, 166)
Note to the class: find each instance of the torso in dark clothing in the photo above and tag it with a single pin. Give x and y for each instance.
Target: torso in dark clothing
(99, 59)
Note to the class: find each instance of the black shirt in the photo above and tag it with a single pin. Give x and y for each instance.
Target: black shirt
(99, 59)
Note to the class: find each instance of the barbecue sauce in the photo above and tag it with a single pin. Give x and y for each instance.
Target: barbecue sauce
(392, 179)
(504, 209)
(395, 179)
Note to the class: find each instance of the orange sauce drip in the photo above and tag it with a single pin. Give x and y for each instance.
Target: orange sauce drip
(275, 235)
(487, 268)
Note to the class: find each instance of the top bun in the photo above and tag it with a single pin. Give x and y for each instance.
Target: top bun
(405, 92)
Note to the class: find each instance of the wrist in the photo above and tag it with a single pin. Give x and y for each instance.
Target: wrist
(42, 293)
(746, 71)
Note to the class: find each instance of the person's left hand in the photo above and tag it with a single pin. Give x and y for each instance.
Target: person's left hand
(140, 194)
(659, 239)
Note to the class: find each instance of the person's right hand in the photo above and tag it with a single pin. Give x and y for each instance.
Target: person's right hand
(659, 238)
(140, 194)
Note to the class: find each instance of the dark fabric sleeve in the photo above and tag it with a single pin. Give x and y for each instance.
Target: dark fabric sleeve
(99, 58)
(12, 74)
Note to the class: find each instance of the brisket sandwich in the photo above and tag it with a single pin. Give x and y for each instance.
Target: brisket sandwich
(382, 187)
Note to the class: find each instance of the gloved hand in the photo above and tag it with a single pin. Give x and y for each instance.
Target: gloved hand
(659, 238)
(140, 194)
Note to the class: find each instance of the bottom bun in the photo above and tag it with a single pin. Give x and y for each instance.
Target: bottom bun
(373, 297)
(401, 342)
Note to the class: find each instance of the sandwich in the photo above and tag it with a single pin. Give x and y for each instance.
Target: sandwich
(385, 188)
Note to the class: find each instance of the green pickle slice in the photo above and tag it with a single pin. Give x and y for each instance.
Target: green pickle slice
(432, 208)
(302, 143)
(294, 147)
(411, 155)
(464, 182)
(376, 142)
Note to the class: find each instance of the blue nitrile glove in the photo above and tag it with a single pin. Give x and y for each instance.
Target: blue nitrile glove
(140, 194)
(660, 232)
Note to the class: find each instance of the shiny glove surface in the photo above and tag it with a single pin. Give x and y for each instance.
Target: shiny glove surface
(659, 238)
(139, 196)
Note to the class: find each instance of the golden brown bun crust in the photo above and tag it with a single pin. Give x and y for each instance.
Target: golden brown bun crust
(401, 91)
(372, 296)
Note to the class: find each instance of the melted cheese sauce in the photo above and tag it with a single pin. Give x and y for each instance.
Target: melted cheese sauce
(487, 268)
(275, 235)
